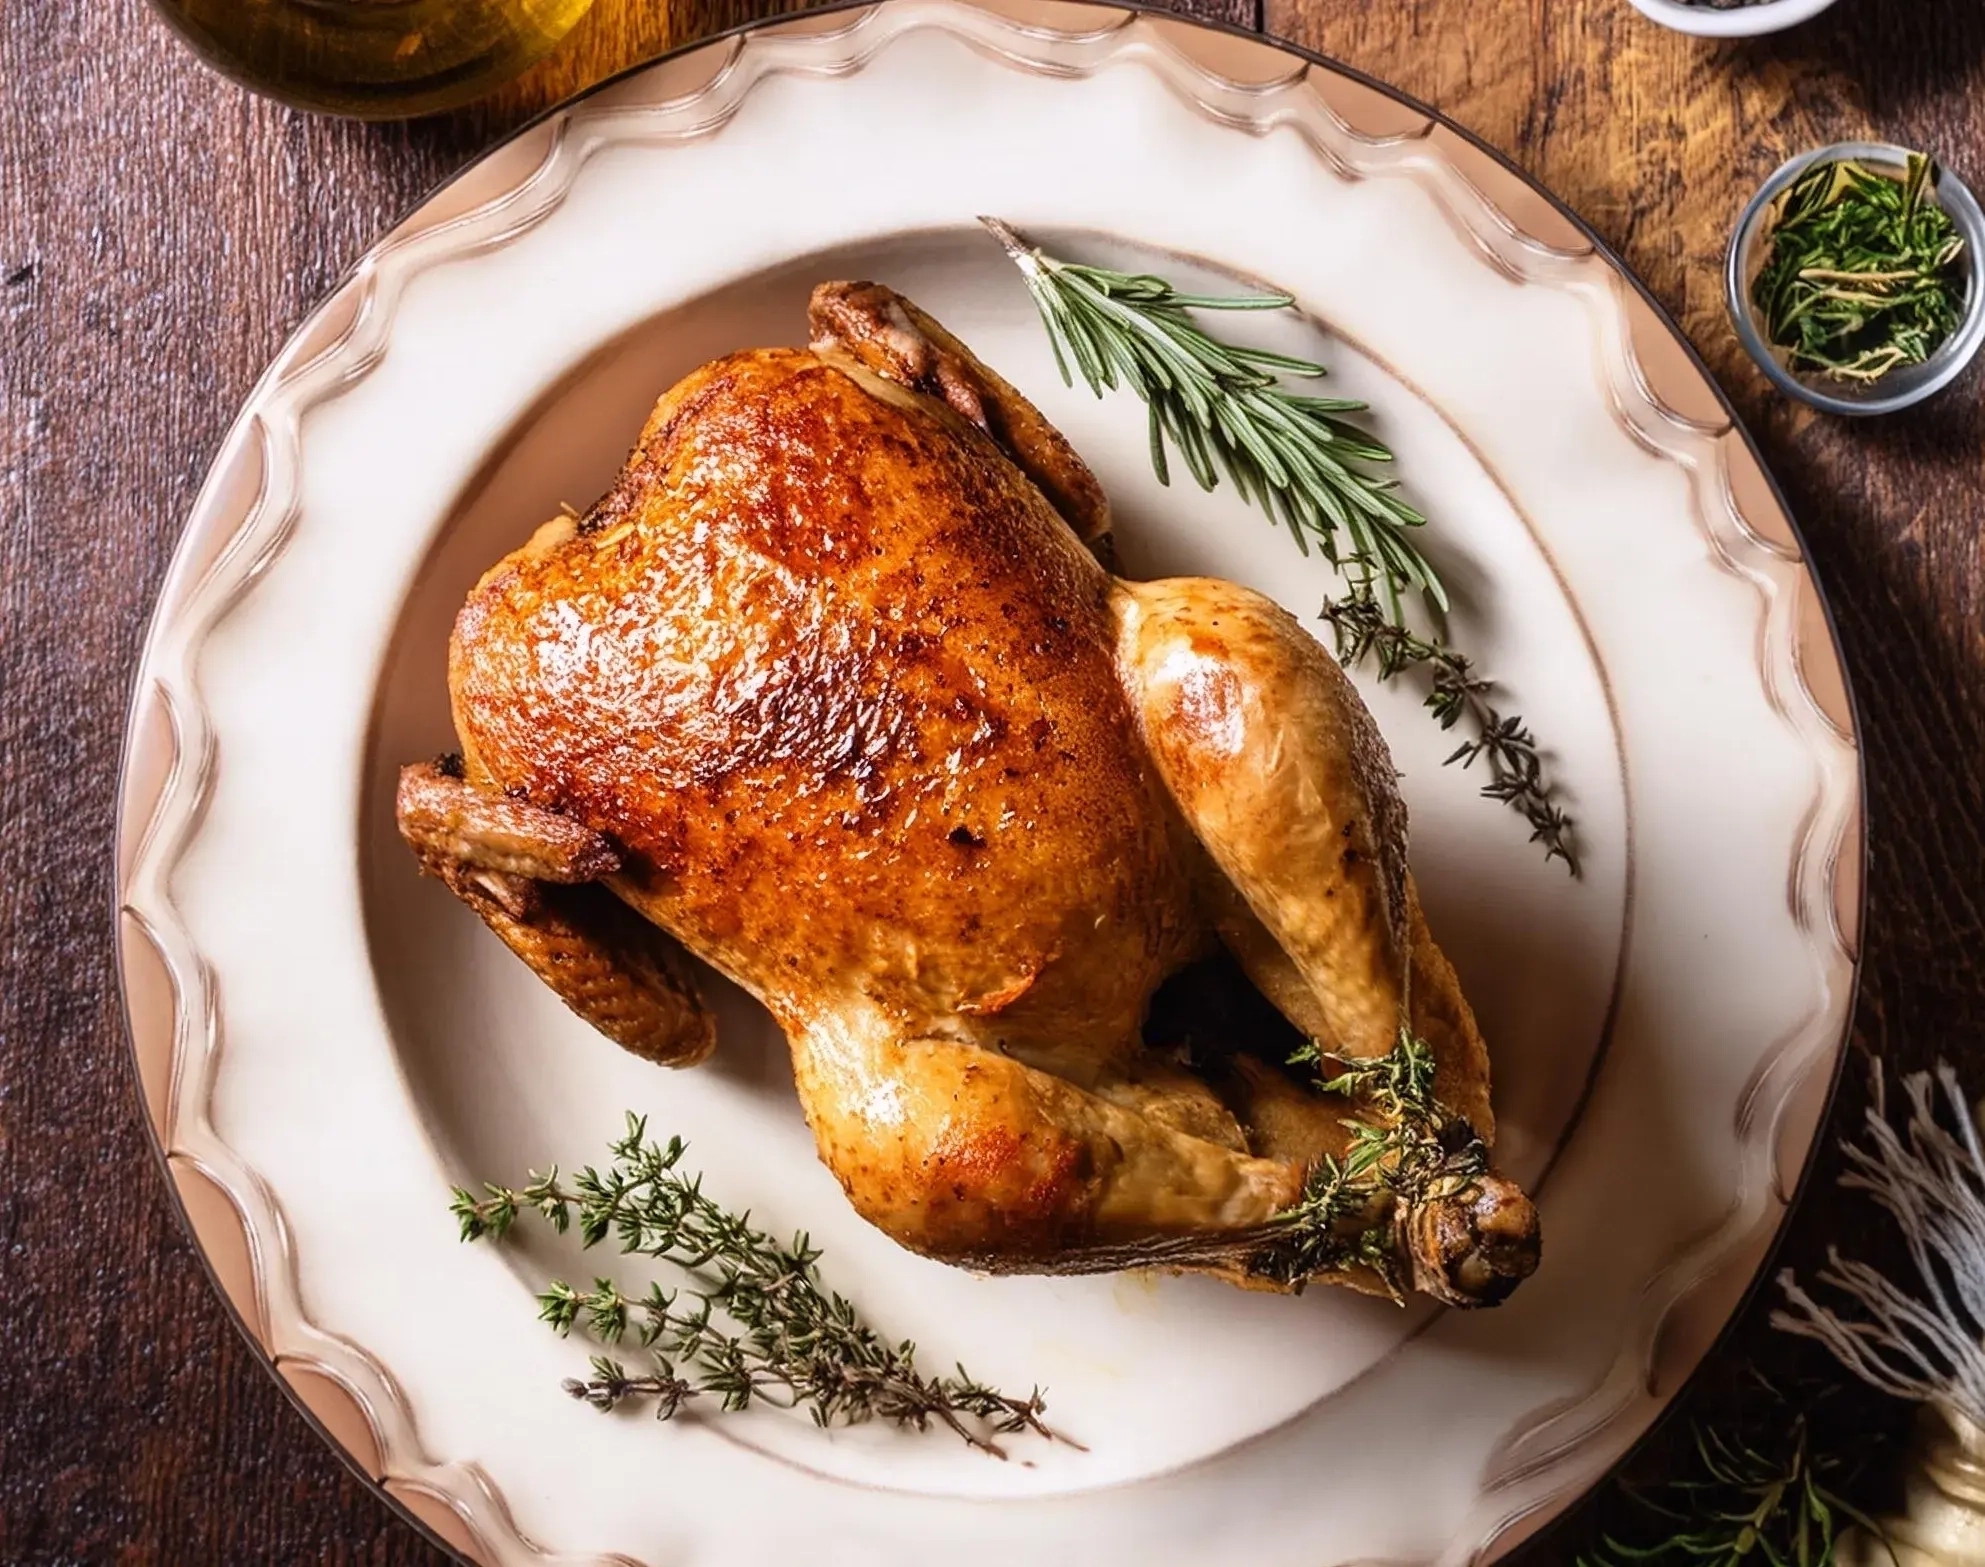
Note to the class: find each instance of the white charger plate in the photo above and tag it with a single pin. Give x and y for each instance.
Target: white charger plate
(327, 1044)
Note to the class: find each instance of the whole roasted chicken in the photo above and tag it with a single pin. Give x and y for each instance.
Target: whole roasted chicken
(835, 689)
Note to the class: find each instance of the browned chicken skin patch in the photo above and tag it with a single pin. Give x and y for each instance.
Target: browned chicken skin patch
(832, 690)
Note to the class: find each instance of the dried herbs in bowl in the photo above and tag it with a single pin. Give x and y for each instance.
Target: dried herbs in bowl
(1852, 278)
(1866, 273)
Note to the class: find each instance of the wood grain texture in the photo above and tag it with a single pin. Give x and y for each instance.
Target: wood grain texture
(160, 233)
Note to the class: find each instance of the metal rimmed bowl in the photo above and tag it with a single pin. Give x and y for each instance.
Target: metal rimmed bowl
(1901, 388)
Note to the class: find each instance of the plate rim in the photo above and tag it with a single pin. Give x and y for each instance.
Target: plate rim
(440, 1519)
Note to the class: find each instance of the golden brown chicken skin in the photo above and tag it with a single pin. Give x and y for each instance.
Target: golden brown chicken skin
(834, 692)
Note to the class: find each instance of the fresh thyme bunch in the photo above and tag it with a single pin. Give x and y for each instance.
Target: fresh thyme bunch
(1345, 1218)
(755, 1321)
(1302, 461)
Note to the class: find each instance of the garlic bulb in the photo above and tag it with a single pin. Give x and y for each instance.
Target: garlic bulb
(1942, 1520)
(1927, 1346)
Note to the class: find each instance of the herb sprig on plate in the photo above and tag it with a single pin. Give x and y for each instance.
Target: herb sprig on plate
(1516, 769)
(1224, 409)
(752, 1320)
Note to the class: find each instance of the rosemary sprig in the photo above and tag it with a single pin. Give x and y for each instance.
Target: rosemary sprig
(1346, 1216)
(1516, 770)
(754, 1321)
(1862, 276)
(1300, 459)
(1772, 1497)
(1223, 408)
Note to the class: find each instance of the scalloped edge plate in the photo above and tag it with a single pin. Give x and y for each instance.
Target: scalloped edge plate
(1761, 1106)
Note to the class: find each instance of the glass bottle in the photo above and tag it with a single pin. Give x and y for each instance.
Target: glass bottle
(373, 59)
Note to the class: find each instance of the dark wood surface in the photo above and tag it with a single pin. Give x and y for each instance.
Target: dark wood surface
(161, 231)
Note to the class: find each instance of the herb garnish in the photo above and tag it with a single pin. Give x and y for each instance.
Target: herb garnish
(1863, 273)
(1346, 1216)
(754, 1320)
(1516, 771)
(1223, 407)
(1771, 1488)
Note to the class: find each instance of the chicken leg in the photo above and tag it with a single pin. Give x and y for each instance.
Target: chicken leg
(1282, 775)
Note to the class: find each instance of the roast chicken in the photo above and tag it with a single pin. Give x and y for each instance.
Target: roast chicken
(835, 689)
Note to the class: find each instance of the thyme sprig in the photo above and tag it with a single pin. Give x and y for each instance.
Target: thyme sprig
(753, 1321)
(1224, 408)
(1458, 695)
(1346, 1216)
(1863, 274)
(1400, 1083)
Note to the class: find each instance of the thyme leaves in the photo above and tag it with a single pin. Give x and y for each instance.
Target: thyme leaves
(752, 1321)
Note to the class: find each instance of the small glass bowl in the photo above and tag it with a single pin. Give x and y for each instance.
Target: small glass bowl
(1899, 388)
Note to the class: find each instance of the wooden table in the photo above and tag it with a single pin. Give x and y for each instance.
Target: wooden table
(161, 232)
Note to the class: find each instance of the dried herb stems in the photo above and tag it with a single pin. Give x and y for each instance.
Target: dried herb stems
(1865, 273)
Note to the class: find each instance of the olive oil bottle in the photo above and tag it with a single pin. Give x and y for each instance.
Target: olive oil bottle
(373, 59)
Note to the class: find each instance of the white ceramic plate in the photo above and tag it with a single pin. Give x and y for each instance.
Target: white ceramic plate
(326, 1044)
